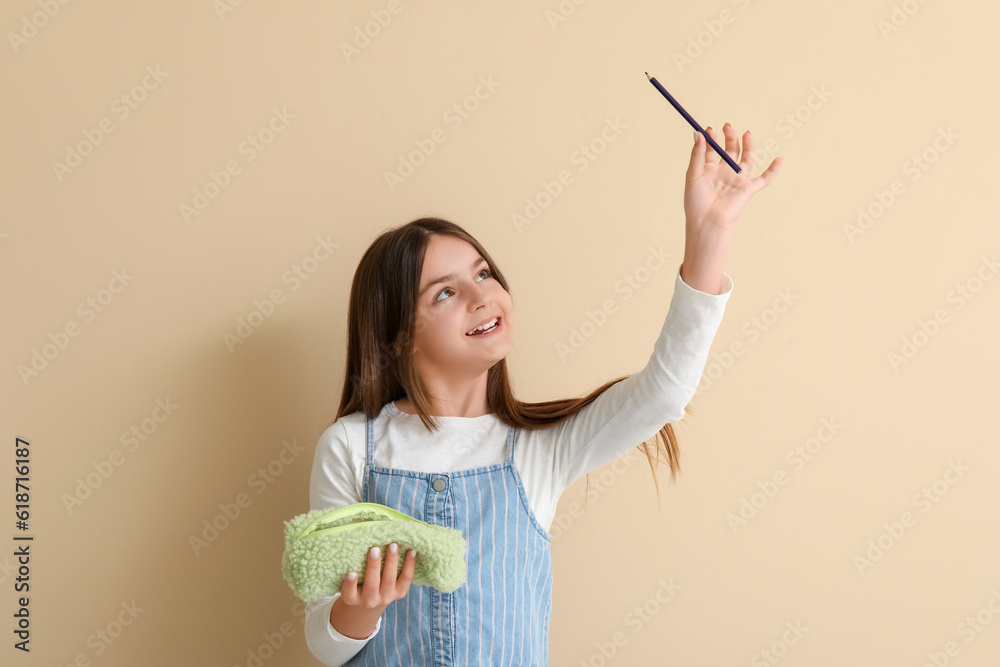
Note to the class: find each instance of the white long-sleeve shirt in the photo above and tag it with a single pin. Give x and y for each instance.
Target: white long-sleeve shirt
(548, 460)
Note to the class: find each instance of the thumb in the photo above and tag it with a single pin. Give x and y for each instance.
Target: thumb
(697, 165)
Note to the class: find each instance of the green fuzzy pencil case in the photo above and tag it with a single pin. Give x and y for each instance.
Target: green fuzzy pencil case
(323, 545)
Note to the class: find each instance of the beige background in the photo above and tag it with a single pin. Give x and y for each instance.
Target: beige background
(826, 358)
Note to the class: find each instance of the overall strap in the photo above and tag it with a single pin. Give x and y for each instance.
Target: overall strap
(511, 437)
(369, 445)
(369, 459)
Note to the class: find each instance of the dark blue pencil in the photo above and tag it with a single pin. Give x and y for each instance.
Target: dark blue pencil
(694, 124)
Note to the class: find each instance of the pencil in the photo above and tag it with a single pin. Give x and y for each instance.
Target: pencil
(694, 124)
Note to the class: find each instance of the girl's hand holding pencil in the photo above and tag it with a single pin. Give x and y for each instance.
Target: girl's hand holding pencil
(714, 194)
(717, 188)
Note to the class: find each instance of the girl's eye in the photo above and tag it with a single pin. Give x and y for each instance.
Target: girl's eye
(489, 274)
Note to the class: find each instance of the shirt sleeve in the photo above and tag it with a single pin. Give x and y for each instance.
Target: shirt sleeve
(631, 411)
(325, 643)
(335, 477)
(333, 483)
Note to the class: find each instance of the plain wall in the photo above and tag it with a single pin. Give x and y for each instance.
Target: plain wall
(862, 325)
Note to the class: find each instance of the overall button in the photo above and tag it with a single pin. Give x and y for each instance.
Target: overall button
(439, 484)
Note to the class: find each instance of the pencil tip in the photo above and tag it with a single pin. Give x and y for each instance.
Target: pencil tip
(647, 75)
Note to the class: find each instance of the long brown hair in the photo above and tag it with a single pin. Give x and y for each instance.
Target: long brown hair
(381, 326)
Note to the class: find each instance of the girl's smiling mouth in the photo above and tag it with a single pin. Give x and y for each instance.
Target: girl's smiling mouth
(487, 328)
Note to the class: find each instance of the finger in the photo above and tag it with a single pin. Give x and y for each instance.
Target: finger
(406, 574)
(409, 566)
(747, 154)
(389, 568)
(765, 178)
(696, 166)
(732, 141)
(711, 156)
(349, 589)
(372, 578)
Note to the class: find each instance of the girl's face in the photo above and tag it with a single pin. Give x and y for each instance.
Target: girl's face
(458, 293)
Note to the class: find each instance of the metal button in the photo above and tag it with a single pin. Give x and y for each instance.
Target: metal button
(439, 484)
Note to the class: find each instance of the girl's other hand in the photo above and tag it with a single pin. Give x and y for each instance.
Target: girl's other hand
(378, 590)
(714, 194)
(356, 612)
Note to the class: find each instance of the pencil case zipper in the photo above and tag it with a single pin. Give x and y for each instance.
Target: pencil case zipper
(334, 515)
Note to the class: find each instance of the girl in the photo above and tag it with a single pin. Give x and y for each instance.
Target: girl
(430, 323)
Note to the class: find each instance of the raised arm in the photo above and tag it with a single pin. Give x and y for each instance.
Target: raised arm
(714, 196)
(633, 410)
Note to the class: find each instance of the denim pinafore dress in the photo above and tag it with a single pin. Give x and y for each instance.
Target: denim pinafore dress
(500, 616)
